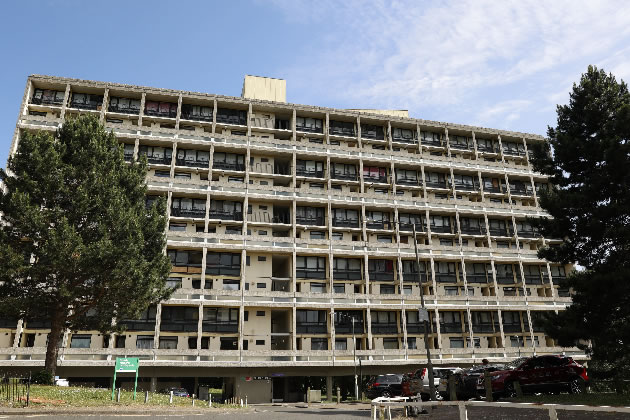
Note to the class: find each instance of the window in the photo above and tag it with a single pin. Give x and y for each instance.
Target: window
(168, 343)
(411, 343)
(317, 234)
(509, 291)
(456, 343)
(120, 341)
(384, 239)
(390, 343)
(180, 258)
(407, 290)
(316, 185)
(382, 270)
(235, 179)
(337, 236)
(52, 97)
(229, 284)
(347, 268)
(228, 161)
(144, 342)
(197, 112)
(374, 174)
(435, 179)
(375, 132)
(341, 344)
(451, 291)
(309, 125)
(260, 313)
(223, 264)
(260, 342)
(446, 242)
(233, 230)
(339, 288)
(182, 175)
(344, 171)
(229, 343)
(311, 216)
(124, 105)
(319, 344)
(261, 285)
(406, 176)
(311, 267)
(163, 174)
(177, 227)
(318, 287)
(309, 168)
(80, 341)
(174, 282)
(387, 289)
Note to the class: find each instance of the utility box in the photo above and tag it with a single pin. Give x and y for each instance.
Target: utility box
(204, 394)
(314, 395)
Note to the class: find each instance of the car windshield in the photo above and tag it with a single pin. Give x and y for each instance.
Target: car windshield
(515, 364)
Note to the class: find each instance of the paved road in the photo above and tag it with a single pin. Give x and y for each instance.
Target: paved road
(281, 412)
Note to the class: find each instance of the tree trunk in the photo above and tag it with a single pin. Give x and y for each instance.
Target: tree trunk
(52, 349)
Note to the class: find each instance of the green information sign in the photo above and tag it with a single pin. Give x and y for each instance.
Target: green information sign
(126, 365)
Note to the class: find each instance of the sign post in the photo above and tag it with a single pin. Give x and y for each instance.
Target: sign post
(123, 365)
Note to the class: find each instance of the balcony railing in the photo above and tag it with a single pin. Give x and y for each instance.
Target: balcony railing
(138, 325)
(487, 149)
(413, 277)
(192, 163)
(193, 213)
(311, 328)
(228, 166)
(309, 173)
(123, 109)
(521, 191)
(473, 230)
(341, 131)
(159, 160)
(451, 327)
(376, 179)
(505, 279)
(432, 184)
(501, 232)
(533, 279)
(441, 229)
(267, 218)
(466, 187)
(485, 328)
(179, 326)
(408, 227)
(528, 234)
(197, 117)
(418, 328)
(460, 146)
(220, 327)
(381, 275)
(347, 274)
(384, 328)
(478, 278)
(512, 328)
(350, 223)
(310, 221)
(514, 152)
(304, 273)
(445, 278)
(432, 142)
(375, 224)
(226, 215)
(407, 181)
(345, 177)
(89, 106)
(494, 190)
(407, 140)
(346, 328)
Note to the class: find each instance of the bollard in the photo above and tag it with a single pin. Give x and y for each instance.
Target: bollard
(241, 403)
(210, 401)
(245, 400)
(193, 400)
(463, 415)
(170, 399)
(518, 389)
(487, 383)
(146, 397)
(363, 396)
(308, 396)
(553, 415)
(118, 395)
(338, 395)
(452, 388)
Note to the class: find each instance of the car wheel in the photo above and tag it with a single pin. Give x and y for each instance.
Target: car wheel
(510, 390)
(386, 394)
(576, 386)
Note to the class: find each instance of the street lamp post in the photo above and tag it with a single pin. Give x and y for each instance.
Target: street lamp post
(354, 362)
(426, 319)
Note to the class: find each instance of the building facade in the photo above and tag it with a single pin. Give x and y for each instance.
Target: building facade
(291, 239)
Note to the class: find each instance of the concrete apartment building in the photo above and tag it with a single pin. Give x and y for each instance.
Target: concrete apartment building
(288, 222)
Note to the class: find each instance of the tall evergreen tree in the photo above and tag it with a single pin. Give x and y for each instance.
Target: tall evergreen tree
(78, 247)
(588, 162)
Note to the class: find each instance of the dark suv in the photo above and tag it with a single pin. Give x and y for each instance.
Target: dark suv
(538, 374)
(385, 386)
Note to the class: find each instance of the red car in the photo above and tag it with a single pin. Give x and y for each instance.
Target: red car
(538, 374)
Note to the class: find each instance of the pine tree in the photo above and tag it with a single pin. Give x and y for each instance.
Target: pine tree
(78, 246)
(588, 162)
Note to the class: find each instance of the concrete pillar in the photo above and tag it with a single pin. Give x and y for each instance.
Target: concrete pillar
(153, 386)
(329, 390)
(196, 390)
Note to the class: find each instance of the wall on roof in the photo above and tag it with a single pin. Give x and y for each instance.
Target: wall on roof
(264, 88)
(402, 113)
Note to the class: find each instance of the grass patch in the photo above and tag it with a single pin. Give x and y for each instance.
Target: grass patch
(594, 399)
(55, 396)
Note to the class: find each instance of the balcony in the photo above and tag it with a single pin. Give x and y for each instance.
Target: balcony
(309, 173)
(228, 166)
(521, 191)
(310, 221)
(196, 113)
(533, 279)
(219, 327)
(473, 230)
(416, 328)
(513, 152)
(124, 106)
(188, 325)
(430, 141)
(344, 131)
(88, 102)
(160, 109)
(487, 149)
(408, 227)
(404, 139)
(493, 190)
(413, 277)
(48, 97)
(346, 327)
(283, 219)
(376, 179)
(311, 328)
(466, 187)
(461, 146)
(192, 163)
(384, 328)
(450, 327)
(349, 223)
(501, 232)
(528, 233)
(226, 215)
(231, 116)
(382, 224)
(505, 279)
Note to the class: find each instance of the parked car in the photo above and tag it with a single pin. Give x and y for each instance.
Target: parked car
(419, 382)
(466, 381)
(177, 392)
(538, 374)
(385, 386)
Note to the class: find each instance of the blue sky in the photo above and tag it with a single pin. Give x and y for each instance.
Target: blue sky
(501, 64)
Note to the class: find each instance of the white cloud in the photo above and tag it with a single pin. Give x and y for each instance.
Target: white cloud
(471, 56)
